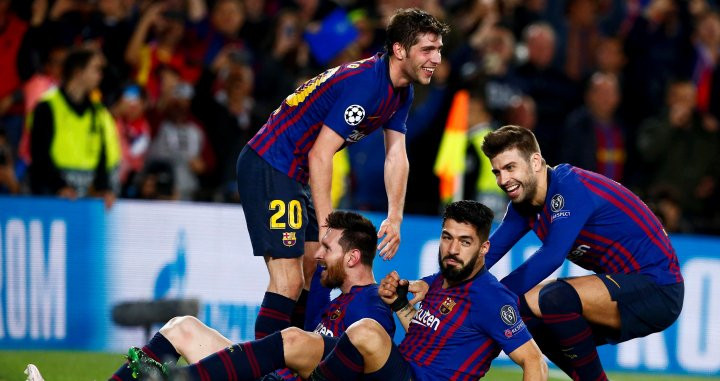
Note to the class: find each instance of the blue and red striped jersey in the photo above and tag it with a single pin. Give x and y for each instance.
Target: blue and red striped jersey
(361, 302)
(353, 99)
(594, 222)
(459, 330)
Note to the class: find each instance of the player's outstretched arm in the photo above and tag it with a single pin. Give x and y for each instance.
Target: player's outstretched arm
(530, 359)
(320, 161)
(396, 170)
(393, 291)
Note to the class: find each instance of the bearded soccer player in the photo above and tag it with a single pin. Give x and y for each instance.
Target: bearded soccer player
(467, 317)
(346, 254)
(284, 172)
(596, 223)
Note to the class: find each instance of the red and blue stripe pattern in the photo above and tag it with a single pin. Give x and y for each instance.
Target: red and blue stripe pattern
(466, 339)
(291, 131)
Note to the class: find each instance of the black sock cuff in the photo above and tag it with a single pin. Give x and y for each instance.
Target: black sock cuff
(278, 302)
(346, 347)
(161, 349)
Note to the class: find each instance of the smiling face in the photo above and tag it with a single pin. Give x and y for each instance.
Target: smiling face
(419, 63)
(516, 175)
(330, 257)
(462, 251)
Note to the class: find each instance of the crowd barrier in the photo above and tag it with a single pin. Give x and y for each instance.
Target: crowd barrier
(65, 264)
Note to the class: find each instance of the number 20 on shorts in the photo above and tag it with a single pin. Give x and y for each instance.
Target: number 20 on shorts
(292, 209)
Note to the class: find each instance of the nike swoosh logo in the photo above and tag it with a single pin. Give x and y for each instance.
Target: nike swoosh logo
(373, 117)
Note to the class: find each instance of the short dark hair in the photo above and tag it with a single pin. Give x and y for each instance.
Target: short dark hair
(407, 25)
(508, 137)
(358, 233)
(77, 59)
(471, 212)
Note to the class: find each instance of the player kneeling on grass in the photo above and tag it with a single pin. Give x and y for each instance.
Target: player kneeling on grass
(466, 318)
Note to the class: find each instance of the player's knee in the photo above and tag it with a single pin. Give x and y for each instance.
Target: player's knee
(181, 329)
(559, 297)
(367, 335)
(294, 337)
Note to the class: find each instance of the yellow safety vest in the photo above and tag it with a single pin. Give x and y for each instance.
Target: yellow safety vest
(486, 179)
(77, 139)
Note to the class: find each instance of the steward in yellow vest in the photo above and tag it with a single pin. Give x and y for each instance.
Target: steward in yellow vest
(74, 142)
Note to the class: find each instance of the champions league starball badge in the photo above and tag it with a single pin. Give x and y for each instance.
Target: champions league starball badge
(354, 114)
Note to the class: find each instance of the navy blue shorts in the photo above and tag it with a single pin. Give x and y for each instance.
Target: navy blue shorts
(645, 307)
(278, 210)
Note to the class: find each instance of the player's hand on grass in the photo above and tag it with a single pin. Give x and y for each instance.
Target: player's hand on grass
(419, 289)
(390, 231)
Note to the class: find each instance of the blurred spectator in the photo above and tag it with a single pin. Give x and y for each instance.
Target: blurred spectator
(74, 142)
(683, 153)
(180, 141)
(257, 22)
(705, 73)
(34, 88)
(657, 48)
(554, 94)
(500, 83)
(522, 113)
(8, 181)
(12, 31)
(579, 38)
(209, 37)
(283, 63)
(225, 105)
(593, 137)
(165, 49)
(134, 131)
(609, 56)
(156, 182)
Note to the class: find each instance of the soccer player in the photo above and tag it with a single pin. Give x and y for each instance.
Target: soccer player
(597, 224)
(346, 254)
(466, 318)
(284, 172)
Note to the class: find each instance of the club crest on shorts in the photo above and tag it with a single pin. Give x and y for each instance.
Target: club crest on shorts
(289, 239)
(354, 114)
(447, 306)
(336, 314)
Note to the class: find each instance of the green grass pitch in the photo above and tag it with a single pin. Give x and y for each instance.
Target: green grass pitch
(88, 366)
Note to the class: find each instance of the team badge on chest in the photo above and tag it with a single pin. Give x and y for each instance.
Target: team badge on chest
(447, 306)
(336, 314)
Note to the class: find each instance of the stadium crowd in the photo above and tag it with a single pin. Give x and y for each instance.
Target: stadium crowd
(626, 88)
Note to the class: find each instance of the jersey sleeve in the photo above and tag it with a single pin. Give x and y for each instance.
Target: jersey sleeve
(350, 95)
(500, 319)
(430, 278)
(369, 305)
(561, 236)
(398, 122)
(512, 228)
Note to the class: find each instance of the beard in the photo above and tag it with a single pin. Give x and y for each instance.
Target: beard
(457, 274)
(333, 276)
(530, 186)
